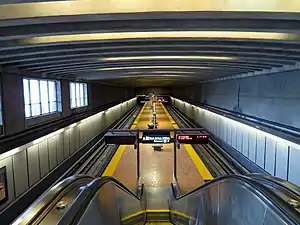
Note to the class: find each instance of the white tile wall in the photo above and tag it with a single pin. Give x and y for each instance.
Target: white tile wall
(27, 164)
(277, 156)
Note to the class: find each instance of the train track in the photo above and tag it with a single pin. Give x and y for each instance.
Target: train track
(216, 160)
(95, 160)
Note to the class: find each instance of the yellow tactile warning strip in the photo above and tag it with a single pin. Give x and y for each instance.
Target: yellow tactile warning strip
(147, 211)
(133, 126)
(206, 175)
(158, 223)
(157, 211)
(169, 117)
(110, 169)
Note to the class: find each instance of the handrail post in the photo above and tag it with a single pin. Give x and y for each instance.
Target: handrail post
(175, 156)
(138, 156)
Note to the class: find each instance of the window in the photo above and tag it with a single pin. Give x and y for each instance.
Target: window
(41, 97)
(78, 95)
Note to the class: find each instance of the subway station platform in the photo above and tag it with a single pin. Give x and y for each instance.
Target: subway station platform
(156, 167)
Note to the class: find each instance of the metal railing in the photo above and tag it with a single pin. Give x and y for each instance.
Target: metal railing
(232, 199)
(82, 166)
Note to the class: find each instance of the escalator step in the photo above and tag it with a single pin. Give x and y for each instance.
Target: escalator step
(158, 223)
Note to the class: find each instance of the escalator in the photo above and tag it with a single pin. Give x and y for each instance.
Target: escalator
(232, 199)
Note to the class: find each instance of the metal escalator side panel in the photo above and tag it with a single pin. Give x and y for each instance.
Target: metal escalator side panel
(228, 200)
(283, 190)
(277, 181)
(42, 205)
(57, 208)
(106, 201)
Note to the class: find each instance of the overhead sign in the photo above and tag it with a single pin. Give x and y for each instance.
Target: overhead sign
(163, 99)
(121, 138)
(142, 99)
(192, 137)
(156, 136)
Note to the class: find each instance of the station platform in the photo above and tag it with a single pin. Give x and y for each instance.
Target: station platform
(156, 167)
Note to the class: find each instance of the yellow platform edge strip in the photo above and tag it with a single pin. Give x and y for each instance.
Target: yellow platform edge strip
(110, 169)
(203, 171)
(156, 211)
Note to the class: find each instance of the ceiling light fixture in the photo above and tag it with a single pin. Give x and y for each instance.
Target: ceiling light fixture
(149, 75)
(153, 67)
(161, 72)
(166, 57)
(159, 34)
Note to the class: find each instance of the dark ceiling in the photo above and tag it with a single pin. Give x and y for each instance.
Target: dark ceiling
(148, 48)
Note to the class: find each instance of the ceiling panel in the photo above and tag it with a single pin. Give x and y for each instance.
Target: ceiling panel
(149, 48)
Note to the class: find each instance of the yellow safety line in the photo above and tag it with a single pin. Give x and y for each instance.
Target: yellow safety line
(110, 169)
(204, 172)
(206, 175)
(169, 117)
(133, 215)
(156, 211)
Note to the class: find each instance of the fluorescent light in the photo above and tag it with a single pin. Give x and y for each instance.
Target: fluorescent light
(165, 57)
(10, 153)
(96, 7)
(153, 67)
(156, 76)
(36, 141)
(246, 127)
(159, 34)
(73, 125)
(48, 136)
(163, 72)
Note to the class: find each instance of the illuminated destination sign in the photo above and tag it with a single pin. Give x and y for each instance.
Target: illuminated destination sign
(142, 99)
(192, 138)
(162, 137)
(162, 99)
(120, 138)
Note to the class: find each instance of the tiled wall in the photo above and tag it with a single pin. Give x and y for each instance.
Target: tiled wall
(29, 163)
(277, 156)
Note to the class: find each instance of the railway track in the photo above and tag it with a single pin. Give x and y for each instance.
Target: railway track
(217, 160)
(95, 160)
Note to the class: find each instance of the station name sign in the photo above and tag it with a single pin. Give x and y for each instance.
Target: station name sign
(121, 138)
(161, 137)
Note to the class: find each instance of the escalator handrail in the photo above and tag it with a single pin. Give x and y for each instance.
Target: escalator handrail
(279, 182)
(261, 190)
(38, 206)
(87, 194)
(41, 203)
(209, 183)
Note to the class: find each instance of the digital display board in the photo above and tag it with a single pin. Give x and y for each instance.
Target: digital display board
(142, 99)
(162, 137)
(163, 99)
(120, 138)
(3, 185)
(192, 139)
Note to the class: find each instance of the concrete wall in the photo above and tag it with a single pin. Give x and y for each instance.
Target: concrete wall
(101, 94)
(13, 102)
(273, 97)
(277, 156)
(153, 90)
(27, 164)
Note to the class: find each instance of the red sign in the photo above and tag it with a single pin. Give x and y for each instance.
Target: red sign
(192, 139)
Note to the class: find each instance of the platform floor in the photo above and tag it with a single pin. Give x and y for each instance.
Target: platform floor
(156, 167)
